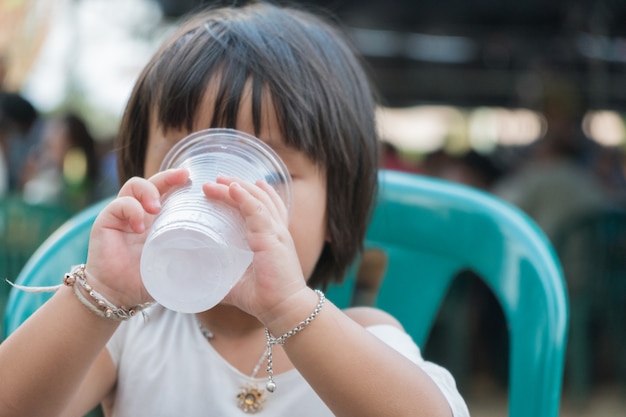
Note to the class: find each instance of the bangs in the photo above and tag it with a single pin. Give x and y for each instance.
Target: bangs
(183, 77)
(223, 62)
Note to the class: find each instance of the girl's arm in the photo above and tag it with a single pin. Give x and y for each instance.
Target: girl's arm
(45, 361)
(353, 371)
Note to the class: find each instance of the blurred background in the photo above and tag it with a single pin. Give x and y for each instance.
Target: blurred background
(524, 99)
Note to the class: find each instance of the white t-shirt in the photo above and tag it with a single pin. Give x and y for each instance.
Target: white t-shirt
(166, 368)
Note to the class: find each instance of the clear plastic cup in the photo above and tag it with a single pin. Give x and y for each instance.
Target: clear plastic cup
(196, 249)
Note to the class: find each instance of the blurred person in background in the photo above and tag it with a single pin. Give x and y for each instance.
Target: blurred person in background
(18, 134)
(609, 166)
(4, 170)
(109, 181)
(64, 168)
(472, 169)
(3, 71)
(392, 159)
(556, 182)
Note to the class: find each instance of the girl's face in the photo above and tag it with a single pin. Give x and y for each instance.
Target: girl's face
(308, 225)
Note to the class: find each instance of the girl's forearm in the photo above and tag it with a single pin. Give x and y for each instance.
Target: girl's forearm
(44, 361)
(355, 373)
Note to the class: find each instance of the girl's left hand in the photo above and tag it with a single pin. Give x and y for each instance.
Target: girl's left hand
(275, 273)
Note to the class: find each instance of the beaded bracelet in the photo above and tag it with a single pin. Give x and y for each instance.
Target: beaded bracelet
(97, 303)
(272, 341)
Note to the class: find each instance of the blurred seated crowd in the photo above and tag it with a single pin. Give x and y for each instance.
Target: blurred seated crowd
(51, 159)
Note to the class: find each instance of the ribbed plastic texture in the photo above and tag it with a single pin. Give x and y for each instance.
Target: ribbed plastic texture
(196, 248)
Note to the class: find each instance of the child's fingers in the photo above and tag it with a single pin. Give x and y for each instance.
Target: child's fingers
(277, 201)
(256, 213)
(125, 214)
(143, 191)
(218, 192)
(266, 194)
(149, 192)
(169, 178)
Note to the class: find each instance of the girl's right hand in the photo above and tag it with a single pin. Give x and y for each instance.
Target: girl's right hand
(119, 233)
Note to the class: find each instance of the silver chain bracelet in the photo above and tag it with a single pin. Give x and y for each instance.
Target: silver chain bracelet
(272, 341)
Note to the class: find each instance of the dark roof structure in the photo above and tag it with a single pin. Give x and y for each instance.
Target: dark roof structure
(483, 52)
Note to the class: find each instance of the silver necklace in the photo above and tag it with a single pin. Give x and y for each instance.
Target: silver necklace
(250, 398)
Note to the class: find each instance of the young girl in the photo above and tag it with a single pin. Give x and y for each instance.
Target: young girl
(274, 345)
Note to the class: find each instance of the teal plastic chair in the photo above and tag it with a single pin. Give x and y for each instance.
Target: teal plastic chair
(23, 228)
(429, 230)
(65, 247)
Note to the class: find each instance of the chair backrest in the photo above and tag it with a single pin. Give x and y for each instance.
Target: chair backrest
(65, 247)
(23, 228)
(429, 230)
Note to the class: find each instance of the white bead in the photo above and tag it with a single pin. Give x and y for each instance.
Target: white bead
(271, 386)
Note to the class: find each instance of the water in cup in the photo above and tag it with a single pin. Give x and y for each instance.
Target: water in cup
(179, 254)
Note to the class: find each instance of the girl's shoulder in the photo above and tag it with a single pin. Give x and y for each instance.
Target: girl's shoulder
(370, 316)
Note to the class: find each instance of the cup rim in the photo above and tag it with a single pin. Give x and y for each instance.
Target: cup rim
(210, 137)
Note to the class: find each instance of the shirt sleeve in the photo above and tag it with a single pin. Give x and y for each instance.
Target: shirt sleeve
(404, 344)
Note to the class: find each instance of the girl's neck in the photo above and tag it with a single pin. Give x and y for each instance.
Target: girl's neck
(240, 338)
(227, 321)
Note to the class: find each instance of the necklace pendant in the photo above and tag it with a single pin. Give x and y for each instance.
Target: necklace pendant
(270, 386)
(250, 399)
